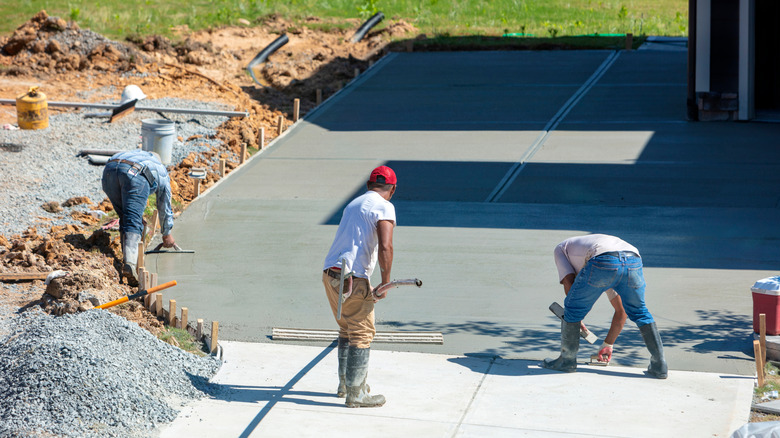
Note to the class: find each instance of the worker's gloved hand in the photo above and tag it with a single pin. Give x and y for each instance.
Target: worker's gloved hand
(168, 241)
(605, 354)
(380, 292)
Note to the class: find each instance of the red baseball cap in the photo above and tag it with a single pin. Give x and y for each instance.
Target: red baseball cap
(383, 175)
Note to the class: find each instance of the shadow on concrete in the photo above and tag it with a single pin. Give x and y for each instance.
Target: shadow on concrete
(721, 332)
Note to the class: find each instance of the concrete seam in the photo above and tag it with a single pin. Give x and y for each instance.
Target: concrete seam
(474, 396)
(553, 123)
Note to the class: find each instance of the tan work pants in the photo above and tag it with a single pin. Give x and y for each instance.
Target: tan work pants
(357, 312)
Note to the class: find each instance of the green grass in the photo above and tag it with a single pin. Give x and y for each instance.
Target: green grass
(185, 340)
(540, 18)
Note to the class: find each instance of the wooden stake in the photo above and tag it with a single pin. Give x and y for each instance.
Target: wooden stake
(140, 262)
(199, 330)
(155, 220)
(149, 301)
(214, 334)
(222, 167)
(759, 362)
(762, 332)
(629, 41)
(172, 313)
(319, 96)
(357, 72)
(197, 188)
(243, 153)
(153, 278)
(296, 109)
(147, 280)
(141, 272)
(280, 125)
(261, 141)
(158, 307)
(183, 320)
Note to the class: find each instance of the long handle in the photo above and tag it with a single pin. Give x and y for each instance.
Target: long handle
(395, 283)
(137, 295)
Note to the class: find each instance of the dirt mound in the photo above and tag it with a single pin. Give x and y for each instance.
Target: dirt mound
(49, 44)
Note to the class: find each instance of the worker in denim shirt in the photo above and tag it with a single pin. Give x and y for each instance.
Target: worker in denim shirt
(128, 180)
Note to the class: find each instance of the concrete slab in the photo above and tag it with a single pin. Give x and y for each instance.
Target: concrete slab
(259, 395)
(696, 199)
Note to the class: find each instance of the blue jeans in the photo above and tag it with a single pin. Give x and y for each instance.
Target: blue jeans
(128, 192)
(623, 273)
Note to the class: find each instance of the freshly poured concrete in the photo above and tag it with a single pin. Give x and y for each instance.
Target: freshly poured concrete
(699, 200)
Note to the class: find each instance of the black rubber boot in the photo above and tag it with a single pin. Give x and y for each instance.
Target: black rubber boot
(341, 392)
(570, 344)
(652, 339)
(357, 370)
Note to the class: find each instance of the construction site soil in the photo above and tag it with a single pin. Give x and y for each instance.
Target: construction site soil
(68, 63)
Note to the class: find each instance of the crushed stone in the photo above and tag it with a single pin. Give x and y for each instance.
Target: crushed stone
(92, 374)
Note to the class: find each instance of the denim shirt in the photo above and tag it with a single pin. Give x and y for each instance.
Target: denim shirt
(161, 185)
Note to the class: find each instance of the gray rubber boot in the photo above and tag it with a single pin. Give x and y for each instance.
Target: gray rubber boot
(342, 355)
(357, 370)
(657, 368)
(570, 344)
(130, 257)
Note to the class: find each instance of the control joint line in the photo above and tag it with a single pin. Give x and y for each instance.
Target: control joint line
(473, 396)
(553, 123)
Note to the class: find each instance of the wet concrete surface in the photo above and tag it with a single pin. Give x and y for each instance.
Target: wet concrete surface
(499, 157)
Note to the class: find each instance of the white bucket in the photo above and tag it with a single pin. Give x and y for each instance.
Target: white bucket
(158, 135)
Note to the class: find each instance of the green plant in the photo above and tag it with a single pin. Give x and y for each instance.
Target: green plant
(367, 9)
(75, 14)
(623, 12)
(183, 339)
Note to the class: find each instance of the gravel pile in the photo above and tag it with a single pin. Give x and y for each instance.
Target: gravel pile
(40, 166)
(92, 374)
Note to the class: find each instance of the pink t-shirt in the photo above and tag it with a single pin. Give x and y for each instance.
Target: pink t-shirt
(572, 254)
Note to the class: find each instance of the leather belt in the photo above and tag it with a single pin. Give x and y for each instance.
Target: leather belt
(119, 160)
(333, 273)
(617, 253)
(140, 168)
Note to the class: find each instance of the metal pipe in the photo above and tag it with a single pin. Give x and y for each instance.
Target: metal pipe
(139, 108)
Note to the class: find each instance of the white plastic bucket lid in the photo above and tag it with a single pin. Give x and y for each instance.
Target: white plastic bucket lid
(769, 286)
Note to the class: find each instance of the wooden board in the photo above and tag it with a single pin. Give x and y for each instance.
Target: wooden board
(288, 334)
(24, 276)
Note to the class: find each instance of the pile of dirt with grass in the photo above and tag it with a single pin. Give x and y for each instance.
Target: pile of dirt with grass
(48, 44)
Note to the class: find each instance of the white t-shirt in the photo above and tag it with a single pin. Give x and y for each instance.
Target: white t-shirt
(356, 238)
(572, 254)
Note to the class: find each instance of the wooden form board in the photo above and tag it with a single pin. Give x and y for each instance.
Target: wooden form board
(291, 334)
(24, 276)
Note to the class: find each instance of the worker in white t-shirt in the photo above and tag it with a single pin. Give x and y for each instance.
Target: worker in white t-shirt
(592, 264)
(364, 237)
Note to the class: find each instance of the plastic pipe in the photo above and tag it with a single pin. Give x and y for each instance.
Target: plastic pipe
(264, 54)
(371, 22)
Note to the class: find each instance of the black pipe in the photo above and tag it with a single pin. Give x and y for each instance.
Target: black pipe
(692, 109)
(371, 22)
(265, 53)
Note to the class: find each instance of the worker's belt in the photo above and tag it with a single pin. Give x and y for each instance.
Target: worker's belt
(333, 273)
(139, 168)
(617, 253)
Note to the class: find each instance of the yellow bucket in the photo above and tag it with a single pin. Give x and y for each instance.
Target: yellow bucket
(32, 110)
